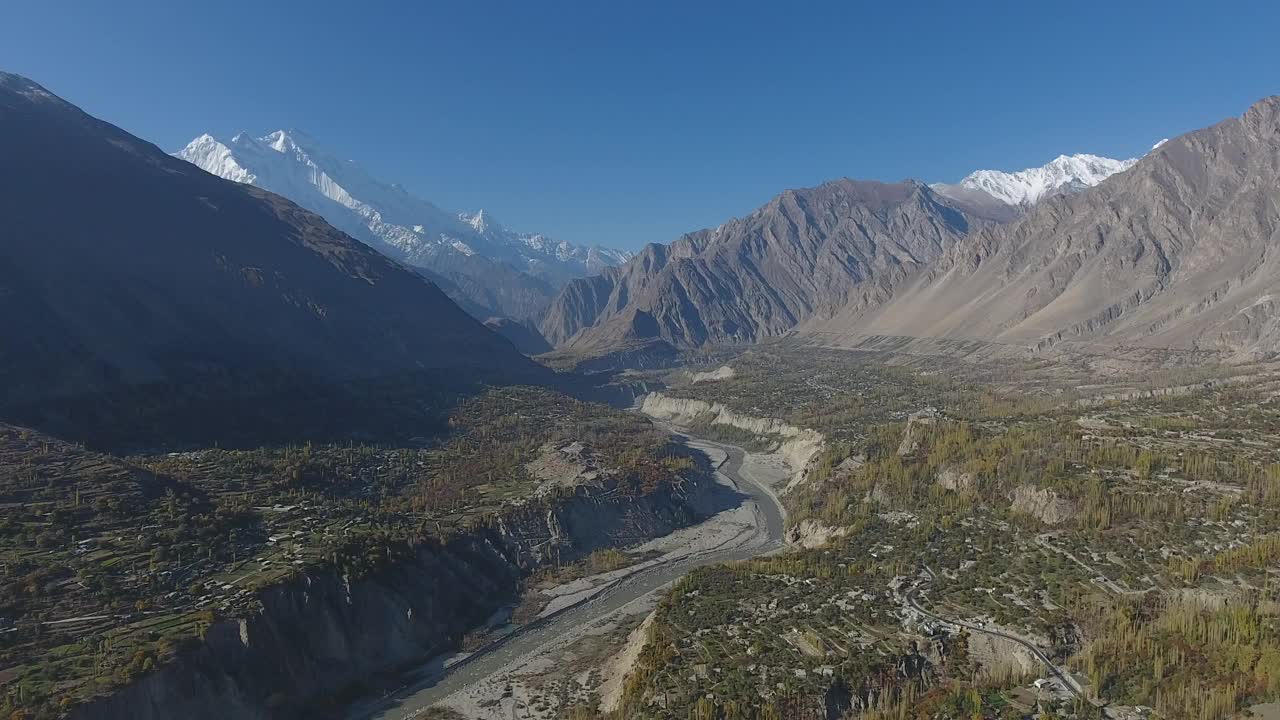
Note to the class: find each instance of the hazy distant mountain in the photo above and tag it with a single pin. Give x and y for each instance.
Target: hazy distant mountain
(806, 253)
(463, 247)
(122, 267)
(1179, 251)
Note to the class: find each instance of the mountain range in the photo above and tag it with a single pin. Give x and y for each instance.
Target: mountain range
(1173, 250)
(1178, 252)
(495, 273)
(128, 268)
(124, 268)
(489, 269)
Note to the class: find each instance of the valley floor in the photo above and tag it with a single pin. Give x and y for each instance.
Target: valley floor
(544, 668)
(1010, 539)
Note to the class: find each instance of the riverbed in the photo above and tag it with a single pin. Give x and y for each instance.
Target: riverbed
(494, 681)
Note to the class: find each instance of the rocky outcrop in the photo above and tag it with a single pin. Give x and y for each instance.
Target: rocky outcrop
(724, 372)
(811, 534)
(324, 635)
(1001, 657)
(621, 665)
(793, 445)
(949, 478)
(1043, 504)
(911, 436)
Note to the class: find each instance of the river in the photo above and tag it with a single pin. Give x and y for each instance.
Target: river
(438, 680)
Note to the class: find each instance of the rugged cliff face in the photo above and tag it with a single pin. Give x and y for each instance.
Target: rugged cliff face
(1177, 252)
(316, 640)
(805, 254)
(793, 446)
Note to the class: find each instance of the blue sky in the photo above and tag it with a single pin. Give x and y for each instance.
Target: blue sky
(622, 123)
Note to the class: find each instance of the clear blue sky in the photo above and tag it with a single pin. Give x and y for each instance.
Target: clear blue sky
(625, 122)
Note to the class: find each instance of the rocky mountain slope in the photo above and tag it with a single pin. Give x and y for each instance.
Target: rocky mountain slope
(507, 272)
(524, 335)
(1178, 252)
(807, 253)
(123, 267)
(1173, 251)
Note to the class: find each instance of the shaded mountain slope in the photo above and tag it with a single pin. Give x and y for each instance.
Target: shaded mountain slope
(523, 335)
(122, 267)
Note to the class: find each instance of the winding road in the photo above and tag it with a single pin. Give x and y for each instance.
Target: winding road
(1063, 677)
(435, 681)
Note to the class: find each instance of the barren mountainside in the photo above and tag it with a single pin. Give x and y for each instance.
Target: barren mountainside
(1178, 252)
(805, 254)
(1173, 251)
(122, 266)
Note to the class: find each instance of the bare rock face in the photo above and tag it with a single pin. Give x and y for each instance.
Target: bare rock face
(806, 254)
(911, 436)
(1178, 252)
(1043, 504)
(724, 372)
(950, 478)
(811, 534)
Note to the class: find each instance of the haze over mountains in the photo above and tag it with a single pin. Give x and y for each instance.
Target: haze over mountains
(125, 268)
(488, 268)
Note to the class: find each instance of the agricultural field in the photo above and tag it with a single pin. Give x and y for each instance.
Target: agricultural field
(115, 565)
(1114, 540)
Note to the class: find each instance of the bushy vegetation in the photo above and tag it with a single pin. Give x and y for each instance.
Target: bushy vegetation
(113, 566)
(1195, 658)
(1126, 525)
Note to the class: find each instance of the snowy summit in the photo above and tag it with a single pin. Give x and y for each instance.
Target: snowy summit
(384, 215)
(1063, 174)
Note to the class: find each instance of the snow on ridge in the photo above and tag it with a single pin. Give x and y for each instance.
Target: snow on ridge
(1065, 173)
(293, 164)
(214, 157)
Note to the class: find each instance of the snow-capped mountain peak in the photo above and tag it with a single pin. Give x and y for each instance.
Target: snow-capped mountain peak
(217, 158)
(1065, 173)
(279, 141)
(478, 221)
(293, 164)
